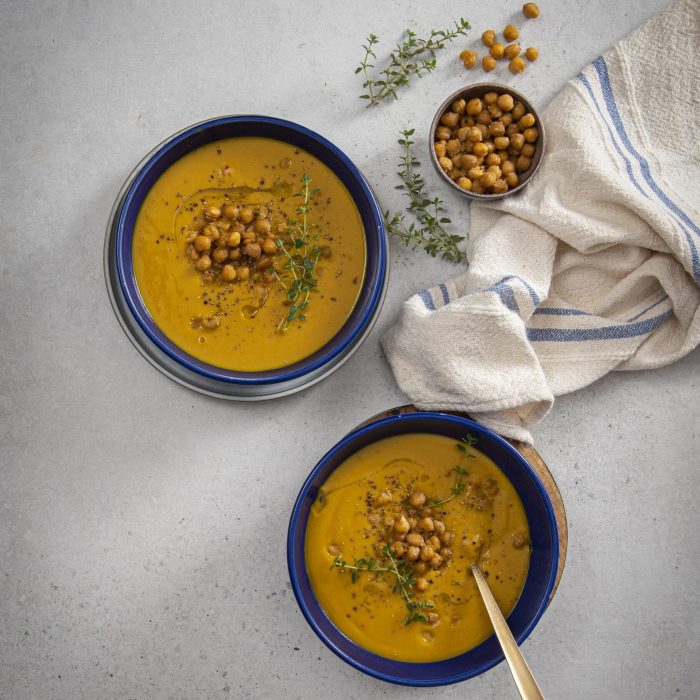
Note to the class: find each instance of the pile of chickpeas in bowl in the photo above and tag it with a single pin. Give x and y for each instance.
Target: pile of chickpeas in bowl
(487, 145)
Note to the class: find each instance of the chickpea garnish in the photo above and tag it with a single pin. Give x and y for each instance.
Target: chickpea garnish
(212, 213)
(532, 53)
(512, 50)
(488, 63)
(488, 37)
(531, 10)
(517, 65)
(510, 33)
(497, 50)
(469, 59)
(417, 499)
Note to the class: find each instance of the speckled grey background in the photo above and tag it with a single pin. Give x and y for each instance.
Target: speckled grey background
(142, 526)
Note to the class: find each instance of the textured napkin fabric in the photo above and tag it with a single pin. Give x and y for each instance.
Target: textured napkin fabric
(595, 266)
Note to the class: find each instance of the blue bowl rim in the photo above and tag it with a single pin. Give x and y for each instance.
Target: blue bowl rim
(137, 307)
(368, 428)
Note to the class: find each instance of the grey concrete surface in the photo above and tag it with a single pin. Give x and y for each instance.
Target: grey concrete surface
(142, 526)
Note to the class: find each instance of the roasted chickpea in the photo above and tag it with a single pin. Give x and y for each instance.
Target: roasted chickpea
(469, 59)
(483, 117)
(518, 110)
(505, 102)
(465, 183)
(234, 254)
(517, 141)
(228, 273)
(531, 134)
(488, 63)
(493, 159)
(474, 135)
(499, 186)
(528, 150)
(220, 254)
(246, 215)
(497, 50)
(460, 105)
(435, 561)
(526, 121)
(488, 37)
(443, 133)
(510, 33)
(523, 163)
(263, 226)
(490, 147)
(475, 173)
(483, 129)
(453, 147)
(211, 231)
(478, 188)
(474, 107)
(269, 246)
(490, 97)
(480, 150)
(495, 111)
(512, 179)
(487, 179)
(243, 273)
(517, 65)
(202, 243)
(532, 53)
(512, 50)
(501, 142)
(426, 553)
(402, 525)
(420, 567)
(496, 129)
(468, 161)
(412, 553)
(507, 166)
(421, 584)
(234, 239)
(506, 119)
(415, 539)
(512, 129)
(204, 263)
(445, 163)
(230, 211)
(253, 250)
(440, 149)
(426, 524)
(212, 213)
(417, 499)
(450, 119)
(530, 10)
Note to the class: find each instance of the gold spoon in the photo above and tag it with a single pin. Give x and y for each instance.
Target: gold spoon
(527, 685)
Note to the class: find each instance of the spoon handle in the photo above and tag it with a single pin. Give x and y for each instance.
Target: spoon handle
(527, 685)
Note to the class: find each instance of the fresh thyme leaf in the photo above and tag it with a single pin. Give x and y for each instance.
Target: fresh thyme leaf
(413, 56)
(429, 233)
(297, 276)
(403, 584)
(464, 446)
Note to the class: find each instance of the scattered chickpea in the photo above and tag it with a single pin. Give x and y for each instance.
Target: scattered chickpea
(497, 50)
(417, 499)
(228, 273)
(212, 213)
(532, 53)
(402, 525)
(512, 50)
(510, 33)
(488, 37)
(469, 59)
(517, 65)
(488, 63)
(421, 584)
(531, 10)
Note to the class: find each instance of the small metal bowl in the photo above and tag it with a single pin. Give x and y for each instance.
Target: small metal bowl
(479, 90)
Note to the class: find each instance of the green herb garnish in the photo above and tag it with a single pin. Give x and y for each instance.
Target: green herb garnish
(302, 254)
(404, 580)
(464, 446)
(413, 56)
(427, 231)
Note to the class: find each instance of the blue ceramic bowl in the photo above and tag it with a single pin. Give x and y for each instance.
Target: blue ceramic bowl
(538, 585)
(294, 376)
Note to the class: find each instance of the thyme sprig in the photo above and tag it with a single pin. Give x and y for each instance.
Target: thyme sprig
(428, 229)
(413, 56)
(403, 584)
(298, 275)
(464, 446)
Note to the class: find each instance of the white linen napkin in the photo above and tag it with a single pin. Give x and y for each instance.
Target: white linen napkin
(595, 266)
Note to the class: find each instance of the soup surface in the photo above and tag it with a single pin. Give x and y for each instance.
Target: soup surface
(412, 492)
(240, 323)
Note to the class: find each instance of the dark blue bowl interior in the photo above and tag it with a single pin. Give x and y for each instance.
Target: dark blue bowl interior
(269, 127)
(538, 585)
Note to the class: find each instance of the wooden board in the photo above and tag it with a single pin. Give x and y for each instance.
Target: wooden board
(536, 462)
